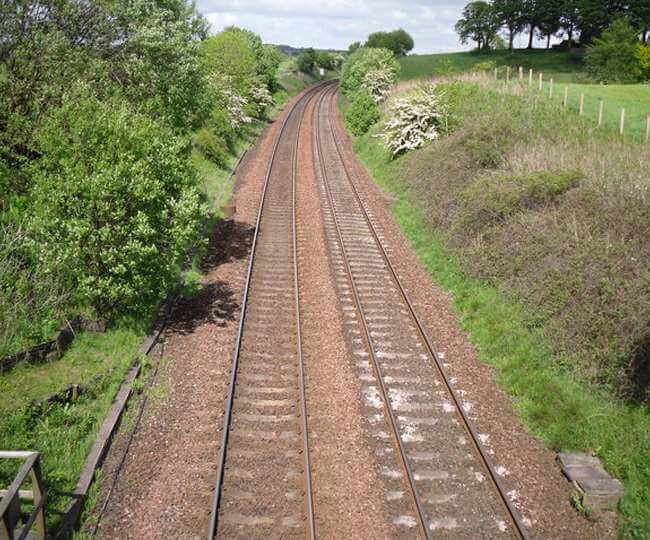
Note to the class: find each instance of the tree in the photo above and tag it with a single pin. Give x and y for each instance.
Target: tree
(230, 53)
(510, 14)
(354, 46)
(478, 23)
(597, 15)
(533, 13)
(325, 60)
(399, 41)
(613, 57)
(550, 20)
(364, 61)
(569, 17)
(307, 60)
(640, 13)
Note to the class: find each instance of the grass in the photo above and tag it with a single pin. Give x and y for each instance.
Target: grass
(561, 65)
(63, 433)
(491, 267)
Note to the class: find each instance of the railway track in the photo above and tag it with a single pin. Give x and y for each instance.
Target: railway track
(263, 472)
(440, 479)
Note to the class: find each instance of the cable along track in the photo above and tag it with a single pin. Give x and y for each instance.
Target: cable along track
(433, 462)
(263, 473)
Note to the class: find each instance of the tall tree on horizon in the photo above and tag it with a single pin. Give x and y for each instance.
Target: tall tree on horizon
(510, 14)
(478, 23)
(640, 13)
(533, 13)
(550, 20)
(569, 17)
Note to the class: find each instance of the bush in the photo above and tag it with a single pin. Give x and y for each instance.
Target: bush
(306, 61)
(486, 65)
(498, 197)
(643, 56)
(115, 205)
(362, 113)
(419, 116)
(213, 146)
(378, 83)
(230, 54)
(613, 57)
(363, 61)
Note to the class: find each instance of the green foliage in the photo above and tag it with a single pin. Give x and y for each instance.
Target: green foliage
(643, 56)
(479, 23)
(114, 218)
(325, 60)
(613, 57)
(230, 53)
(499, 197)
(487, 65)
(398, 41)
(307, 60)
(362, 113)
(363, 61)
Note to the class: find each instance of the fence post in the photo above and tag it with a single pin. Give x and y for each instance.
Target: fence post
(550, 93)
(507, 74)
(566, 96)
(622, 121)
(582, 104)
(600, 112)
(521, 74)
(530, 77)
(496, 74)
(647, 130)
(541, 80)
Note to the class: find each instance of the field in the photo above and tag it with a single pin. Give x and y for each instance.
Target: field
(537, 224)
(561, 65)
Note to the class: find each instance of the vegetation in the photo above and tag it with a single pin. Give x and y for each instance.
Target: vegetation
(398, 41)
(539, 227)
(613, 58)
(366, 67)
(481, 20)
(561, 65)
(362, 113)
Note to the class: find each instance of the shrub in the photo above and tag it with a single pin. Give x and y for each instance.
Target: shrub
(486, 65)
(306, 61)
(362, 113)
(498, 197)
(363, 61)
(214, 146)
(613, 57)
(419, 116)
(643, 56)
(378, 83)
(115, 205)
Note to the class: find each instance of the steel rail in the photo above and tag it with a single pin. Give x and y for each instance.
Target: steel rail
(513, 513)
(422, 515)
(214, 518)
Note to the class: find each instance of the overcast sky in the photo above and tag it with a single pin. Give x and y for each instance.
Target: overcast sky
(337, 23)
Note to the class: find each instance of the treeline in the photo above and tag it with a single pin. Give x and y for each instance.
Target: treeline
(101, 104)
(577, 21)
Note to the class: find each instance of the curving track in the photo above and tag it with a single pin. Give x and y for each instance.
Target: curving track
(263, 479)
(440, 478)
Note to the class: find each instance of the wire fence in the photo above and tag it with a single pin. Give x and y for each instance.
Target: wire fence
(573, 97)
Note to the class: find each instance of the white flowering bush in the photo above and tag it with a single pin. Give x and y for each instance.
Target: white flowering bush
(415, 118)
(230, 100)
(364, 61)
(378, 83)
(261, 97)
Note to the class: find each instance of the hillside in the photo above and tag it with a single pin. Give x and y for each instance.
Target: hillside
(562, 65)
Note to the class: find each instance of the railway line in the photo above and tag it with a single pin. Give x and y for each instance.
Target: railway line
(439, 479)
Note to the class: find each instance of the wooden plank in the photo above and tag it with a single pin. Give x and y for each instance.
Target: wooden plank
(25, 494)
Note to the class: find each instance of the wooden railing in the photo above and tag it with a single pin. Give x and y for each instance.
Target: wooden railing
(14, 523)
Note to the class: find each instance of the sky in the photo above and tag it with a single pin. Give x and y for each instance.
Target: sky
(337, 23)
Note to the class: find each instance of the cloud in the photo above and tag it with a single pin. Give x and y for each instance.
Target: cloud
(337, 23)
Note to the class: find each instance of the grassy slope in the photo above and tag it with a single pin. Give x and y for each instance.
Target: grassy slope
(552, 395)
(561, 65)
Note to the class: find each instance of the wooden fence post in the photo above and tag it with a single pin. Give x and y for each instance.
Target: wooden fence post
(600, 112)
(530, 77)
(566, 96)
(496, 74)
(622, 130)
(582, 104)
(507, 74)
(647, 130)
(550, 93)
(541, 80)
(521, 74)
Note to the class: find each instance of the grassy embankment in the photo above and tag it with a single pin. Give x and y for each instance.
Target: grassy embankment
(566, 69)
(96, 362)
(539, 228)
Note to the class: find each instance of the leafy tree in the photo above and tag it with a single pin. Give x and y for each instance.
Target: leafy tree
(354, 46)
(478, 23)
(533, 15)
(325, 60)
(613, 57)
(362, 113)
(550, 20)
(113, 219)
(307, 60)
(363, 61)
(510, 14)
(230, 53)
(640, 13)
(569, 17)
(596, 15)
(398, 41)
(643, 55)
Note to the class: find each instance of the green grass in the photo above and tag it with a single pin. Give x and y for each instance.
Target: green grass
(561, 65)
(63, 433)
(552, 398)
(634, 98)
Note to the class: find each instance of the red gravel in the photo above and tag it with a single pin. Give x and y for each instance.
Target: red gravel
(348, 495)
(542, 492)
